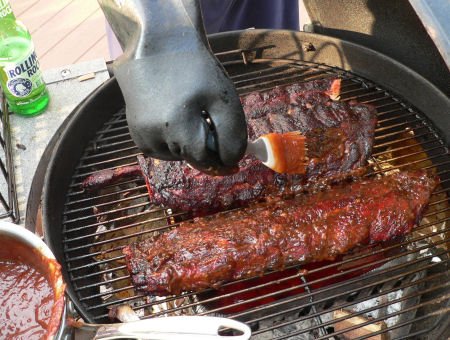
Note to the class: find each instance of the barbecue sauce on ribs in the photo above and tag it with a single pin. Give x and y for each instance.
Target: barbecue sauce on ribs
(241, 244)
(339, 140)
(256, 105)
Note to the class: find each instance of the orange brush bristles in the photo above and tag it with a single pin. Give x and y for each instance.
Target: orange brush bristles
(290, 152)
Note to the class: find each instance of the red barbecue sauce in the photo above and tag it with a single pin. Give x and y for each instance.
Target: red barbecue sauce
(27, 297)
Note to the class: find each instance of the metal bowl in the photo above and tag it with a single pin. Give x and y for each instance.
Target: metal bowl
(46, 263)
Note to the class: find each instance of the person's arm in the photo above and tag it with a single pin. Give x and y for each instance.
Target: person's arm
(180, 102)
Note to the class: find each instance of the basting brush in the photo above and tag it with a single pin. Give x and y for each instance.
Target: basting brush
(282, 152)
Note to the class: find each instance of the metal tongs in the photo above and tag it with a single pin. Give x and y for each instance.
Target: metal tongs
(170, 328)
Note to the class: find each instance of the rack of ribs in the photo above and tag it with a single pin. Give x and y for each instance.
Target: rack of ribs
(105, 177)
(208, 251)
(255, 105)
(339, 137)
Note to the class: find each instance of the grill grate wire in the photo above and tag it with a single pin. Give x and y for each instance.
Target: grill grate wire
(122, 213)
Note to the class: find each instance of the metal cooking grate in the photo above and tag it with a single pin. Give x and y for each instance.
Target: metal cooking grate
(404, 284)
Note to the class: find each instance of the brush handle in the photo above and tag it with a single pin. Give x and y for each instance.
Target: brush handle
(258, 148)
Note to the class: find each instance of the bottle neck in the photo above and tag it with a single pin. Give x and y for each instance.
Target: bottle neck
(6, 10)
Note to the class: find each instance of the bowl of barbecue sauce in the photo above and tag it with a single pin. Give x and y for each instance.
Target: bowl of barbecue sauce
(31, 286)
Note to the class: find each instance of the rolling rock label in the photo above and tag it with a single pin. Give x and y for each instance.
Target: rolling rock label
(23, 76)
(5, 8)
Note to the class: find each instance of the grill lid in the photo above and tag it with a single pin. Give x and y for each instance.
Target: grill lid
(389, 27)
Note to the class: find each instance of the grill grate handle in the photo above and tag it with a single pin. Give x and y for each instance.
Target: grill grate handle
(173, 328)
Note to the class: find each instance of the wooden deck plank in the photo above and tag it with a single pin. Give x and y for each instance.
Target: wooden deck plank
(99, 50)
(42, 12)
(78, 42)
(66, 22)
(20, 7)
(64, 31)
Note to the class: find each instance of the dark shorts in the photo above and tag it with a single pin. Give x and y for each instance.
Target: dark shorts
(228, 15)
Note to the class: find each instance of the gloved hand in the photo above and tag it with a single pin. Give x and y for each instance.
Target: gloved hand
(180, 103)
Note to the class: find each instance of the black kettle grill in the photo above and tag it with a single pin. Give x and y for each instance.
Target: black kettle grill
(405, 294)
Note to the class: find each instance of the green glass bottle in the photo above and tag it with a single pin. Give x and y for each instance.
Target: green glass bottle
(20, 76)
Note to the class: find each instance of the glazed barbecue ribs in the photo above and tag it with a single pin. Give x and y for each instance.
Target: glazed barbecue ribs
(256, 104)
(209, 251)
(339, 138)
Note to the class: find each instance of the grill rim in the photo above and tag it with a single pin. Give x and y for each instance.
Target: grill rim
(60, 173)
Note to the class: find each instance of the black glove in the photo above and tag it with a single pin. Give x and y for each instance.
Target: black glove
(180, 103)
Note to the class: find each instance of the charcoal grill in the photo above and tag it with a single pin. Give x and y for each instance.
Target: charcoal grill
(405, 284)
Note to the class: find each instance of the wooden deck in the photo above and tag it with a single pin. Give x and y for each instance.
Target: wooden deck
(64, 31)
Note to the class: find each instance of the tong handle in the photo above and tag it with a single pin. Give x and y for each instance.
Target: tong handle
(174, 328)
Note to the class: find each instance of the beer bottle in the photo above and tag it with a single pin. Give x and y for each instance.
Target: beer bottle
(20, 76)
